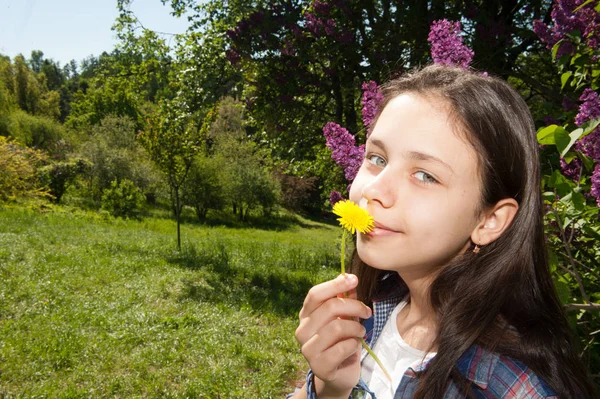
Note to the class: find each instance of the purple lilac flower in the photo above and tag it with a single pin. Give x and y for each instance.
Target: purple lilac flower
(590, 107)
(287, 48)
(232, 56)
(313, 24)
(371, 99)
(343, 149)
(567, 20)
(334, 197)
(447, 47)
(571, 170)
(321, 7)
(330, 26)
(596, 184)
(588, 110)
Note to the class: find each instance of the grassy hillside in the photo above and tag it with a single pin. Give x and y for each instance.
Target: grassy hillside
(99, 307)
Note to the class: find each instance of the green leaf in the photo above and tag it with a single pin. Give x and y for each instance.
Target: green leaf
(569, 156)
(563, 291)
(564, 78)
(549, 196)
(563, 189)
(590, 126)
(552, 260)
(578, 201)
(555, 48)
(592, 232)
(556, 179)
(597, 8)
(547, 135)
(587, 161)
(583, 5)
(565, 140)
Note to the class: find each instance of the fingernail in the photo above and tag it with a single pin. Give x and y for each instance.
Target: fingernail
(351, 279)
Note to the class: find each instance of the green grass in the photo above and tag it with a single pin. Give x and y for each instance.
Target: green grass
(99, 307)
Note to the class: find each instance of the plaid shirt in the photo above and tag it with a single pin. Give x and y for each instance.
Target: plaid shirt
(492, 375)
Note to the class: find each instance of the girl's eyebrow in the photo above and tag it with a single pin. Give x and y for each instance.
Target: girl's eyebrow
(414, 155)
(420, 156)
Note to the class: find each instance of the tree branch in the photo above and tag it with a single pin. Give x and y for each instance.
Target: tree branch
(582, 306)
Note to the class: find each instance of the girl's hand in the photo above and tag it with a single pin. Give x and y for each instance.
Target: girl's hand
(328, 333)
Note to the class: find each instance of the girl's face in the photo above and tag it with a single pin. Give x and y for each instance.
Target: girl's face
(420, 181)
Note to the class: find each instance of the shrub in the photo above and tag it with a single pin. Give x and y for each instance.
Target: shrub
(58, 176)
(115, 155)
(34, 131)
(296, 192)
(123, 199)
(204, 188)
(18, 170)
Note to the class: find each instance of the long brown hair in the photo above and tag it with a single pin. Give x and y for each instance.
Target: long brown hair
(502, 298)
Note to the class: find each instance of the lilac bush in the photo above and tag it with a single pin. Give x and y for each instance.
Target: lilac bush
(447, 46)
(566, 21)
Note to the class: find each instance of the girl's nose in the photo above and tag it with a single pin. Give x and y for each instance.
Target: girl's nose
(379, 190)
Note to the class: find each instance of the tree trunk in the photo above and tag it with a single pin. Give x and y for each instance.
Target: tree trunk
(177, 216)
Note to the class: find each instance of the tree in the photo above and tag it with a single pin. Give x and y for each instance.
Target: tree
(172, 139)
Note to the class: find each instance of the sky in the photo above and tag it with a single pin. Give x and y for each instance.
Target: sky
(73, 29)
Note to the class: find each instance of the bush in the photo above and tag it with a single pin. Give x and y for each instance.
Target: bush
(123, 199)
(204, 188)
(18, 170)
(115, 155)
(296, 192)
(250, 186)
(58, 176)
(34, 131)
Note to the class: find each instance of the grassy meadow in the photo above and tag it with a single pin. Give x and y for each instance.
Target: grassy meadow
(92, 306)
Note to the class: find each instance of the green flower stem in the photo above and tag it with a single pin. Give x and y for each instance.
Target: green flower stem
(343, 251)
(374, 356)
(362, 341)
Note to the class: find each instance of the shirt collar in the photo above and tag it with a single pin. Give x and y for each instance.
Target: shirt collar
(476, 364)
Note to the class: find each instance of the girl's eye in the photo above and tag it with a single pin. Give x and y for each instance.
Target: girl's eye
(376, 160)
(425, 177)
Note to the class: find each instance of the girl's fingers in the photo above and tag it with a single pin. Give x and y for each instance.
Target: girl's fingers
(324, 291)
(332, 309)
(335, 343)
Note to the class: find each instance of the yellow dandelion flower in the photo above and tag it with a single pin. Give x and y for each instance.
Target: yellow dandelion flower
(352, 217)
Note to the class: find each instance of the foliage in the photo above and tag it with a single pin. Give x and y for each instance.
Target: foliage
(246, 181)
(115, 154)
(204, 189)
(59, 175)
(19, 170)
(34, 131)
(571, 164)
(297, 191)
(123, 199)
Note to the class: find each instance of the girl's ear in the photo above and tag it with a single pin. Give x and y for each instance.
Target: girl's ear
(495, 221)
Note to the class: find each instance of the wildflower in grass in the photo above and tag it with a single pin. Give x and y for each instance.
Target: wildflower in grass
(354, 218)
(447, 46)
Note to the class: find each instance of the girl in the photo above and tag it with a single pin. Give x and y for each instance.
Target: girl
(455, 269)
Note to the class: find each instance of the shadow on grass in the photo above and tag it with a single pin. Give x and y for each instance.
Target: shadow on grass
(276, 222)
(275, 289)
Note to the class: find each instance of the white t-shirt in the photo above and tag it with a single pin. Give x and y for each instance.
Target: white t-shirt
(395, 354)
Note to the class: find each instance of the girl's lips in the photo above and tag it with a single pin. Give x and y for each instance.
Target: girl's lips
(381, 230)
